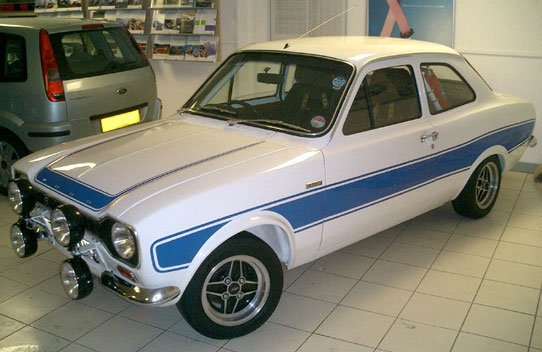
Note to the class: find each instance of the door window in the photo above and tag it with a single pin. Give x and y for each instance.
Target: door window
(386, 97)
(445, 88)
(12, 58)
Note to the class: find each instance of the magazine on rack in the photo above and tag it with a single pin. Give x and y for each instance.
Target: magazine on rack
(192, 49)
(158, 21)
(208, 47)
(121, 4)
(108, 5)
(171, 3)
(205, 21)
(177, 48)
(141, 41)
(136, 21)
(169, 22)
(123, 17)
(160, 49)
(72, 5)
(186, 22)
(205, 3)
(135, 4)
(110, 15)
(187, 3)
(93, 4)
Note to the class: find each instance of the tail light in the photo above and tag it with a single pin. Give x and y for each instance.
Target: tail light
(51, 75)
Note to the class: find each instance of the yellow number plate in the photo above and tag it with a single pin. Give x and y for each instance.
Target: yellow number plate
(118, 121)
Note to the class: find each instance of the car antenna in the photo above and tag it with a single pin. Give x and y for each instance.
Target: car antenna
(287, 45)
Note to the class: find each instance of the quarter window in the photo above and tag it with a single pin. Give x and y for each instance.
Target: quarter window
(12, 58)
(386, 97)
(445, 88)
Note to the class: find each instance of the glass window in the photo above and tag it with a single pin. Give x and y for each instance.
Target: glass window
(292, 93)
(445, 88)
(392, 98)
(95, 52)
(12, 58)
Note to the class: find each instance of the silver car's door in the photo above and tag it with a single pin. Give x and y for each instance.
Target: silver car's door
(379, 164)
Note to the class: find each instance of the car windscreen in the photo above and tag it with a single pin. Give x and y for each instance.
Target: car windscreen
(292, 93)
(98, 52)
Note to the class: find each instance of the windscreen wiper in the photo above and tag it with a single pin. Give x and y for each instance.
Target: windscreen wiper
(270, 122)
(219, 109)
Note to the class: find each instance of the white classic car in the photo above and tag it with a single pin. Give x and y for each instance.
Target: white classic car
(288, 152)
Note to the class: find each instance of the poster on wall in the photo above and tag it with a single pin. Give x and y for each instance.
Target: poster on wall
(429, 20)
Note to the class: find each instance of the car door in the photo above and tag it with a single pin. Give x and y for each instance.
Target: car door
(379, 163)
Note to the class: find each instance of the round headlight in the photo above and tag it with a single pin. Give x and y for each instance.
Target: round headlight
(23, 241)
(15, 198)
(123, 241)
(76, 278)
(67, 225)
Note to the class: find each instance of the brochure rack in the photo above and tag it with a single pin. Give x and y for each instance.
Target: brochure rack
(164, 29)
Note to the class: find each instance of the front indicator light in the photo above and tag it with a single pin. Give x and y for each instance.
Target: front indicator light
(76, 278)
(123, 241)
(67, 225)
(23, 241)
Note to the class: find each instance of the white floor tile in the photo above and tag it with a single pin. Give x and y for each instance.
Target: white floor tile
(72, 320)
(528, 222)
(301, 312)
(76, 348)
(373, 246)
(471, 245)
(408, 336)
(519, 253)
(409, 254)
(515, 273)
(443, 312)
(269, 337)
(27, 272)
(377, 298)
(31, 339)
(128, 336)
(513, 180)
(423, 238)
(8, 258)
(449, 285)
(343, 264)
(8, 326)
(291, 275)
(507, 296)
(529, 203)
(395, 274)
(31, 305)
(182, 328)
(318, 343)
(537, 334)
(169, 342)
(531, 186)
(356, 326)
(160, 317)
(468, 343)
(322, 286)
(10, 288)
(459, 263)
(500, 324)
(102, 299)
(522, 236)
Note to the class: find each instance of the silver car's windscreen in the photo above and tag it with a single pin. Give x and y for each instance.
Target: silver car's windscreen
(293, 93)
(98, 52)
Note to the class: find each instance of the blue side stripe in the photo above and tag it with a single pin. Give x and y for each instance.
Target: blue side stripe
(357, 193)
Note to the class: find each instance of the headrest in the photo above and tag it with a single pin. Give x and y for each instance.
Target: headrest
(313, 75)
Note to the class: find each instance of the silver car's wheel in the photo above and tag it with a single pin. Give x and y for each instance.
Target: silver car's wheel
(235, 290)
(11, 150)
(487, 185)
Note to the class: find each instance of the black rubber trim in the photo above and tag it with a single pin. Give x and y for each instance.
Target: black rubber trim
(113, 113)
(49, 134)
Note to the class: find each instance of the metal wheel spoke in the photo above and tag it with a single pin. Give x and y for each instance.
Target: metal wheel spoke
(251, 282)
(215, 283)
(250, 292)
(214, 294)
(235, 305)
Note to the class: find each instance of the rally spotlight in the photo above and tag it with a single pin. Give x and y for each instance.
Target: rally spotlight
(23, 240)
(76, 278)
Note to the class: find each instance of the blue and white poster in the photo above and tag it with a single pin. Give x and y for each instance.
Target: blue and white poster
(429, 20)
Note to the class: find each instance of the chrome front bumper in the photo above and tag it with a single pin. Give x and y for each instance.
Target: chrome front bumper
(138, 295)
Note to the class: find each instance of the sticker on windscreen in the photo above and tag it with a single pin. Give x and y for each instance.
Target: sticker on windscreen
(318, 121)
(338, 82)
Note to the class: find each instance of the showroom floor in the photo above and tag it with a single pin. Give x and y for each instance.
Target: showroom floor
(437, 283)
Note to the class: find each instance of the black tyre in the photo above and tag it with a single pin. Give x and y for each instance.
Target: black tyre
(11, 150)
(235, 290)
(480, 194)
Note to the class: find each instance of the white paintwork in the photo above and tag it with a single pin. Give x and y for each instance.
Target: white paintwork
(239, 176)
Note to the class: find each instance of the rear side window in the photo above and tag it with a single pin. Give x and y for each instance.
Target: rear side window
(445, 88)
(12, 58)
(95, 52)
(386, 97)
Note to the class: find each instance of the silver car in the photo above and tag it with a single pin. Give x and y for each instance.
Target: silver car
(63, 79)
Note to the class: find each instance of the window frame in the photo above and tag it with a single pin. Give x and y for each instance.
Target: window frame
(474, 96)
(364, 85)
(4, 37)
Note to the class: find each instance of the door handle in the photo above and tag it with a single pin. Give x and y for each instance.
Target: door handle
(433, 137)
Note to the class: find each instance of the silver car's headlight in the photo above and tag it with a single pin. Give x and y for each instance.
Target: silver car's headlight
(67, 225)
(123, 240)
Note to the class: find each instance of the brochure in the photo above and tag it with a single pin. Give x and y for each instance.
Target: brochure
(169, 22)
(157, 3)
(108, 5)
(187, 3)
(135, 4)
(158, 21)
(187, 22)
(97, 15)
(123, 17)
(177, 48)
(137, 21)
(205, 21)
(205, 3)
(110, 16)
(69, 5)
(192, 49)
(141, 42)
(160, 48)
(171, 3)
(121, 4)
(208, 48)
(93, 4)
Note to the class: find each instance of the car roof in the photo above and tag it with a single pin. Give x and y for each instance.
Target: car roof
(355, 49)
(50, 24)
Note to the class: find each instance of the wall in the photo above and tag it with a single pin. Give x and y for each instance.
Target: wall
(501, 38)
